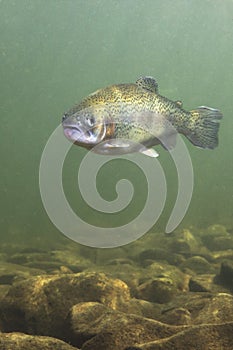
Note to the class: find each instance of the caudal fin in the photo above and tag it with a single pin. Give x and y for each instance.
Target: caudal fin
(203, 127)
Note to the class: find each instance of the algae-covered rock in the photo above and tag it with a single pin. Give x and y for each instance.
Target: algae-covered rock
(87, 320)
(184, 243)
(225, 276)
(160, 282)
(198, 264)
(124, 330)
(41, 304)
(128, 273)
(218, 309)
(202, 283)
(9, 272)
(20, 341)
(159, 290)
(177, 316)
(202, 307)
(203, 337)
(216, 237)
(142, 308)
(90, 320)
(50, 261)
(216, 230)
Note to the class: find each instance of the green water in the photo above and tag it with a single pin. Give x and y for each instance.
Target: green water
(55, 52)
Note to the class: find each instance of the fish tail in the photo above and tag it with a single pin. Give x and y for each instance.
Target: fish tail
(203, 127)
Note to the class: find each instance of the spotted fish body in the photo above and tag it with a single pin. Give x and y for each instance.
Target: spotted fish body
(128, 118)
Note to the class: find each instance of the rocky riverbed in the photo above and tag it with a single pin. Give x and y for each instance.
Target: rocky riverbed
(160, 292)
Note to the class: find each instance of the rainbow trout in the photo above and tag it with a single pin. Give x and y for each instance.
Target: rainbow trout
(128, 118)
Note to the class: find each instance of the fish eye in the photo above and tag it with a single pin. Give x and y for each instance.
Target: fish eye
(65, 115)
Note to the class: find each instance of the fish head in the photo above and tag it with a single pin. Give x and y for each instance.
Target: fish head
(87, 127)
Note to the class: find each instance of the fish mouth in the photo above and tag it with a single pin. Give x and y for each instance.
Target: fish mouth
(74, 133)
(80, 135)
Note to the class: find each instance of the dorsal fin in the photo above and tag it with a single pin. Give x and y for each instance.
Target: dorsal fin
(148, 83)
(179, 103)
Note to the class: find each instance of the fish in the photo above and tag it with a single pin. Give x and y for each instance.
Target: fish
(134, 117)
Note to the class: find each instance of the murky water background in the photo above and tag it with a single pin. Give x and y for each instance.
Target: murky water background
(53, 53)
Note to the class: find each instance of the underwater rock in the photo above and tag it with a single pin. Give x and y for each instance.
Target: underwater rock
(158, 290)
(128, 273)
(184, 243)
(192, 302)
(101, 256)
(203, 307)
(10, 272)
(51, 261)
(159, 270)
(222, 256)
(221, 243)
(177, 316)
(216, 230)
(20, 341)
(216, 237)
(218, 309)
(199, 265)
(72, 258)
(122, 330)
(225, 276)
(27, 257)
(152, 254)
(4, 290)
(149, 256)
(206, 283)
(120, 262)
(142, 308)
(201, 283)
(87, 320)
(211, 337)
(41, 304)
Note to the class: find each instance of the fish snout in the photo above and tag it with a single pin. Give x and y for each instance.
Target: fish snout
(72, 132)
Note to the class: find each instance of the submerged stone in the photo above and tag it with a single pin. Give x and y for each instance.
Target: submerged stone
(40, 305)
(20, 341)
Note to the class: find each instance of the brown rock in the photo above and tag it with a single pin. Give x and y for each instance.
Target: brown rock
(161, 282)
(202, 337)
(177, 316)
(153, 254)
(184, 243)
(142, 308)
(216, 237)
(198, 264)
(9, 272)
(127, 273)
(221, 243)
(20, 341)
(159, 290)
(41, 304)
(218, 309)
(118, 330)
(226, 274)
(205, 283)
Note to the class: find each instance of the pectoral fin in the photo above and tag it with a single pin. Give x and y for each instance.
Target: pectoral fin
(179, 103)
(150, 152)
